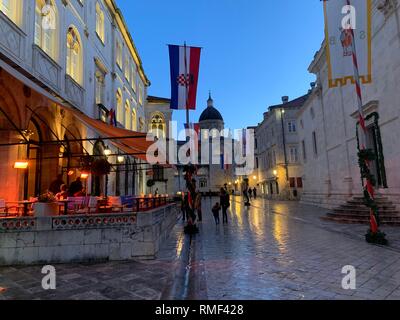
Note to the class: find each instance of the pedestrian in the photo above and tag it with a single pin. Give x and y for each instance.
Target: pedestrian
(183, 208)
(250, 193)
(215, 210)
(197, 205)
(255, 193)
(246, 196)
(225, 204)
(55, 186)
(75, 187)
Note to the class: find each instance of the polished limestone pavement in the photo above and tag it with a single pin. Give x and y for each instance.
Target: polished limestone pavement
(272, 250)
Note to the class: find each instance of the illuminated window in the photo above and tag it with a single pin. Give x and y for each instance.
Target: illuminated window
(45, 26)
(127, 115)
(11, 8)
(127, 68)
(74, 55)
(119, 54)
(133, 77)
(134, 120)
(100, 22)
(157, 125)
(141, 94)
(99, 78)
(120, 111)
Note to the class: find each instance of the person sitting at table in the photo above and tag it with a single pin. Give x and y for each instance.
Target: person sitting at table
(56, 184)
(63, 194)
(75, 187)
(81, 193)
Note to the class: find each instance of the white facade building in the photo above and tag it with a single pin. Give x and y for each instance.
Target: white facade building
(82, 53)
(328, 121)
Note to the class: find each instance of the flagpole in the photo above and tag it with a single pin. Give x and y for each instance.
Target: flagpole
(368, 186)
(186, 86)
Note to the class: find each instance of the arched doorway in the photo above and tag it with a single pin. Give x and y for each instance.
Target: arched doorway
(98, 182)
(34, 154)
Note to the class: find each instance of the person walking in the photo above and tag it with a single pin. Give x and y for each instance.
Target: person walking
(255, 193)
(183, 207)
(197, 205)
(215, 210)
(250, 192)
(225, 204)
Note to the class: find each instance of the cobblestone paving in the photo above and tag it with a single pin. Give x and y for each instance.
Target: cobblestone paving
(273, 250)
(283, 251)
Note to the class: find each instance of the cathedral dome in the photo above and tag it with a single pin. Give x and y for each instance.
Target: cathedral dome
(210, 113)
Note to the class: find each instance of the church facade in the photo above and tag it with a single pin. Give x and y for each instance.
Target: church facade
(327, 122)
(211, 176)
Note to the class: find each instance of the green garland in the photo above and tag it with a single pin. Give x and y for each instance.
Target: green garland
(365, 156)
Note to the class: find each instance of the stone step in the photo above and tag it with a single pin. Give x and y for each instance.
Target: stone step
(379, 202)
(360, 221)
(363, 207)
(365, 211)
(363, 216)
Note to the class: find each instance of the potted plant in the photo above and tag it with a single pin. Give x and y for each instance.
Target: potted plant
(46, 206)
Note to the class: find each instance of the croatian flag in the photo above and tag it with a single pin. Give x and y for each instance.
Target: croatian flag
(193, 126)
(185, 63)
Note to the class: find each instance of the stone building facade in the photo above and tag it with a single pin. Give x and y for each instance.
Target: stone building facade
(211, 176)
(82, 54)
(328, 121)
(278, 169)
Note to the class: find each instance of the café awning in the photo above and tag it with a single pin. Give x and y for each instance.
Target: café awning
(130, 142)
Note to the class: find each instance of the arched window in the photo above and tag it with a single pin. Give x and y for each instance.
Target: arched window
(127, 115)
(11, 9)
(157, 125)
(120, 110)
(100, 22)
(134, 120)
(45, 27)
(74, 55)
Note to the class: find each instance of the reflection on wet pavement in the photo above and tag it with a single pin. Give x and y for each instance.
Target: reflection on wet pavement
(274, 251)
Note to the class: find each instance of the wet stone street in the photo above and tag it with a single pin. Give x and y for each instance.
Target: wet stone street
(272, 250)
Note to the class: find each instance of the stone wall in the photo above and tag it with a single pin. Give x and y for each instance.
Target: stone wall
(85, 238)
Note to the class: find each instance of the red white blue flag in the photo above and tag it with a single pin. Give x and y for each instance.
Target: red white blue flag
(113, 118)
(185, 64)
(193, 126)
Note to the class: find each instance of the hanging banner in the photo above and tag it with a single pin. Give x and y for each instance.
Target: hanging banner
(185, 64)
(343, 19)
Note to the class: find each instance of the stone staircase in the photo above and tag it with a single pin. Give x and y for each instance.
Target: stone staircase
(355, 212)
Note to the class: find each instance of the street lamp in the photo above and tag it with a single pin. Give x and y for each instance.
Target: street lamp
(120, 159)
(275, 173)
(107, 152)
(23, 165)
(284, 144)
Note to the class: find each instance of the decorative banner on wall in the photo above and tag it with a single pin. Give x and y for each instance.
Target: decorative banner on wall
(339, 40)
(185, 64)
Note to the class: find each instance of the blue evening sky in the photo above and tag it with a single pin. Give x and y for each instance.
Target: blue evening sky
(255, 51)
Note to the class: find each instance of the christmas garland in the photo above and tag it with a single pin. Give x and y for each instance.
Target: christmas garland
(364, 157)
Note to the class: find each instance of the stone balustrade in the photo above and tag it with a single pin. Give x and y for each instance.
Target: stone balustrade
(85, 238)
